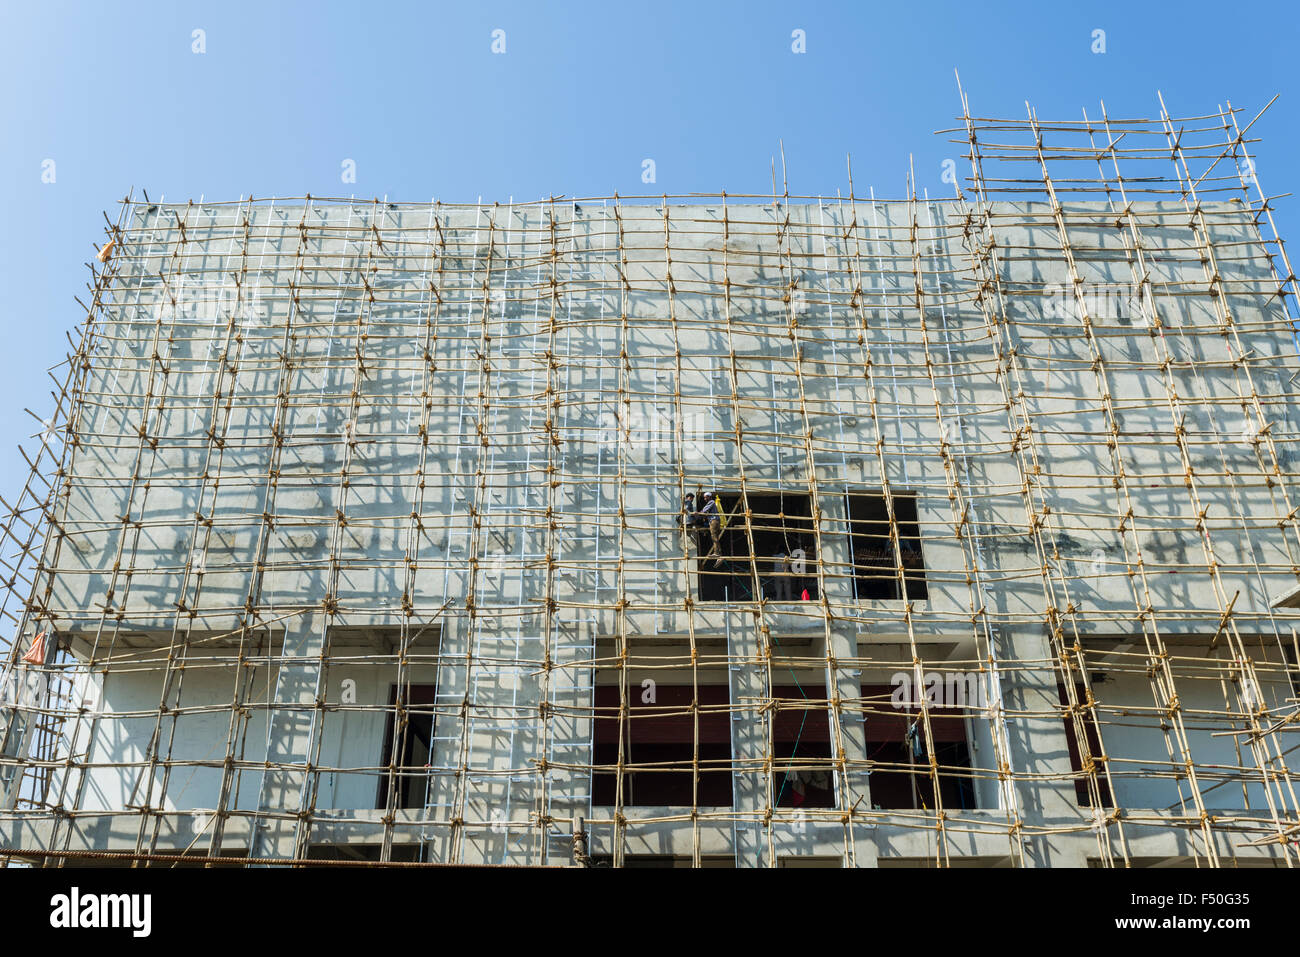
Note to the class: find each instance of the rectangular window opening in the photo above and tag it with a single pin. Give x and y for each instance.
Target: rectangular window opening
(802, 771)
(876, 564)
(410, 772)
(658, 741)
(784, 549)
(900, 762)
(1081, 792)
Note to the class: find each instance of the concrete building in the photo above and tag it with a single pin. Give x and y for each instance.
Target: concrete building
(360, 534)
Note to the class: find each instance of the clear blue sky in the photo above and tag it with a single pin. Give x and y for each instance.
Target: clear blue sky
(285, 92)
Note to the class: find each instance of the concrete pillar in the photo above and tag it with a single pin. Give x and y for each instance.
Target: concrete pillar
(1037, 744)
(293, 722)
(747, 687)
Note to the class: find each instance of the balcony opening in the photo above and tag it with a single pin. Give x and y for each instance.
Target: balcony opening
(784, 549)
(413, 728)
(896, 746)
(876, 562)
(802, 773)
(659, 748)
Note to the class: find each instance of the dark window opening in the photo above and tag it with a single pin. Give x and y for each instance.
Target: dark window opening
(900, 770)
(659, 748)
(875, 562)
(901, 775)
(415, 746)
(784, 549)
(1093, 737)
(802, 773)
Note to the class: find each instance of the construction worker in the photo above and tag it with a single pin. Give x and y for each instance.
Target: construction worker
(712, 516)
(689, 516)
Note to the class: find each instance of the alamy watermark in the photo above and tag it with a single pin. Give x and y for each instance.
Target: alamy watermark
(641, 435)
(1113, 302)
(955, 689)
(205, 302)
(76, 909)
